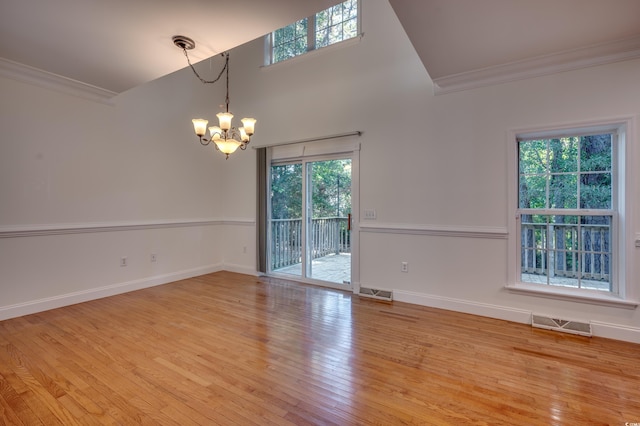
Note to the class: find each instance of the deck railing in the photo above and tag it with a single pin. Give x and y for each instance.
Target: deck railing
(329, 235)
(566, 250)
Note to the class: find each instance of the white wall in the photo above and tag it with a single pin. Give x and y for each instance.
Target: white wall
(84, 183)
(432, 163)
(427, 162)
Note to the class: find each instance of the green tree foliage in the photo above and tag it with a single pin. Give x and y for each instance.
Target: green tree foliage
(286, 191)
(566, 173)
(290, 41)
(332, 25)
(330, 189)
(337, 23)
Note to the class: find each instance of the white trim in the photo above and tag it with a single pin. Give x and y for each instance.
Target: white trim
(599, 329)
(624, 157)
(464, 306)
(600, 54)
(436, 230)
(239, 269)
(47, 80)
(572, 295)
(85, 228)
(615, 331)
(31, 307)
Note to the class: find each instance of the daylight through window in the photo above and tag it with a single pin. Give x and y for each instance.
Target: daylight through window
(566, 207)
(331, 26)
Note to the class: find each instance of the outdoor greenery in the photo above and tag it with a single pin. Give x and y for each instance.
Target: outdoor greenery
(566, 173)
(332, 25)
(560, 174)
(330, 191)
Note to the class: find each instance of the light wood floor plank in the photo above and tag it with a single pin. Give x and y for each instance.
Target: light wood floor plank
(227, 349)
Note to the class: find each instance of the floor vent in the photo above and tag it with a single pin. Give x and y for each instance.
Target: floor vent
(566, 326)
(376, 294)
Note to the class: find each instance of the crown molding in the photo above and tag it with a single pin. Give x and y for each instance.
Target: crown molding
(47, 80)
(599, 54)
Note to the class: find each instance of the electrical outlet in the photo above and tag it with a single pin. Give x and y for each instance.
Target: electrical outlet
(404, 267)
(123, 261)
(244, 249)
(154, 257)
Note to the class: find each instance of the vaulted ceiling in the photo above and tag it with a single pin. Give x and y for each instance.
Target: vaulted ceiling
(119, 44)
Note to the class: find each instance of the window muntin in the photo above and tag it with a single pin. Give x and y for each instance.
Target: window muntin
(565, 207)
(330, 26)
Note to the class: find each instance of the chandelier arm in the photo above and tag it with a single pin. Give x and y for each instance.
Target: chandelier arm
(202, 79)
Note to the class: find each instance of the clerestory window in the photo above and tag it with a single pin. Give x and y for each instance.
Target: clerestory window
(330, 26)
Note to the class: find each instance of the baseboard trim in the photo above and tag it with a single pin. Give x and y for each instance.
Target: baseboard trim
(615, 331)
(600, 329)
(464, 306)
(32, 307)
(240, 269)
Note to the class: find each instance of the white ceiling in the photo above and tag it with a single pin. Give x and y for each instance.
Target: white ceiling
(464, 40)
(119, 44)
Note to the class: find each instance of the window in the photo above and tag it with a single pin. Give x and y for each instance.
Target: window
(565, 206)
(331, 26)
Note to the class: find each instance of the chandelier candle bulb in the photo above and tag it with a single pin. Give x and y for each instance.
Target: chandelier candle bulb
(249, 125)
(215, 132)
(200, 126)
(243, 134)
(225, 120)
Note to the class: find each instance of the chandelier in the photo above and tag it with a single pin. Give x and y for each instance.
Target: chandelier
(226, 138)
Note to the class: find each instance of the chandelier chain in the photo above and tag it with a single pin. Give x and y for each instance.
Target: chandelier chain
(198, 75)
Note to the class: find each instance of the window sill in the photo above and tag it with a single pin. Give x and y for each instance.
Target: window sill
(580, 296)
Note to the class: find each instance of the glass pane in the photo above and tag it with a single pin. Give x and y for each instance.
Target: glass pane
(350, 29)
(286, 219)
(534, 245)
(533, 192)
(595, 234)
(322, 38)
(563, 192)
(335, 14)
(595, 191)
(322, 19)
(328, 234)
(335, 34)
(283, 35)
(533, 157)
(563, 155)
(595, 153)
(350, 10)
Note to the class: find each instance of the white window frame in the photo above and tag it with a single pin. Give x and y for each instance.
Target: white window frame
(311, 39)
(623, 293)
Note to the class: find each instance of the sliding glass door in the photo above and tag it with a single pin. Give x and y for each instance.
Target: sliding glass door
(310, 219)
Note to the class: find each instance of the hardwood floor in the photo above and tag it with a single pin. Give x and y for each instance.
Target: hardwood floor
(234, 349)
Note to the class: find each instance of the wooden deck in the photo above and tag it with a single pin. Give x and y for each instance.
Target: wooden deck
(335, 268)
(229, 349)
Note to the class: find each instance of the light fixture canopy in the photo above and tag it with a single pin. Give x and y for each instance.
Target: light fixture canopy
(226, 138)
